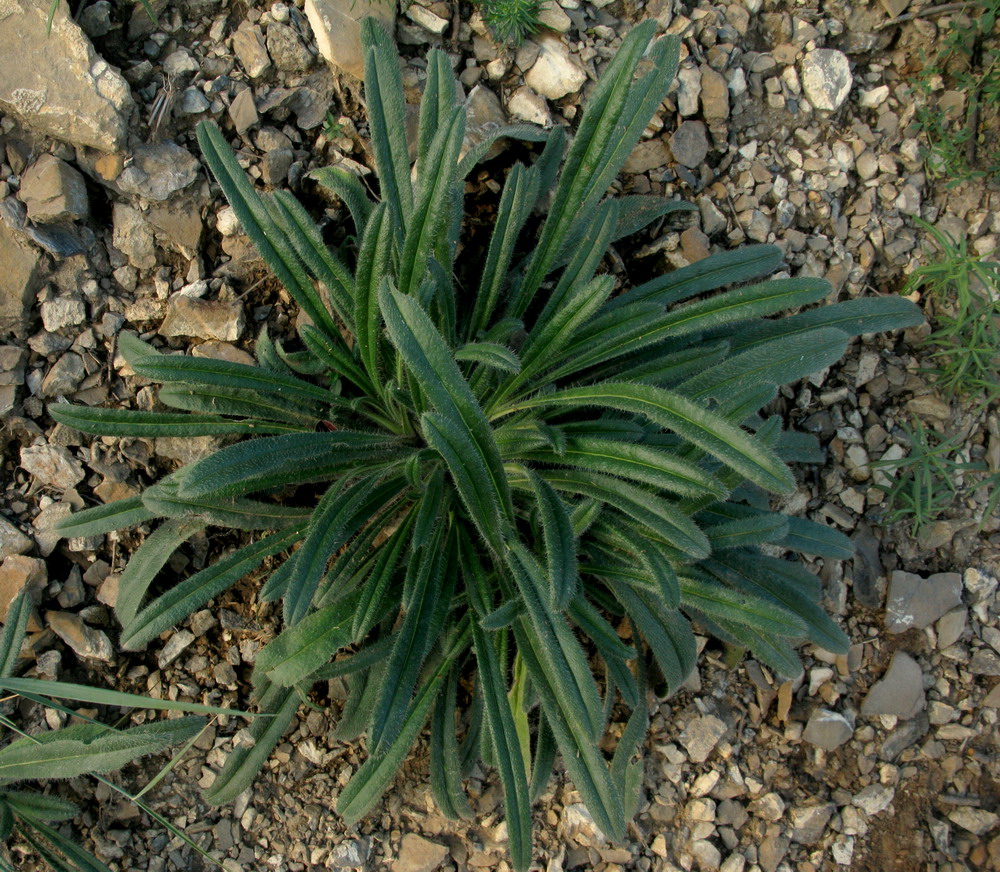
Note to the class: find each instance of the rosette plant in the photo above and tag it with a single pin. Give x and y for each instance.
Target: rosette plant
(502, 483)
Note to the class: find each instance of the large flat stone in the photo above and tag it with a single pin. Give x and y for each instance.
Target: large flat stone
(336, 24)
(917, 602)
(55, 82)
(900, 692)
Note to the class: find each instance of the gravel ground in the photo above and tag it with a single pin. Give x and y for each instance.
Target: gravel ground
(789, 124)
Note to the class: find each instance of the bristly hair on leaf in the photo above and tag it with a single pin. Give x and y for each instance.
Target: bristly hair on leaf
(477, 476)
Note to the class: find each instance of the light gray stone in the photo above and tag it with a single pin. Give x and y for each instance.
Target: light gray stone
(918, 602)
(527, 105)
(701, 736)
(827, 730)
(874, 798)
(809, 822)
(555, 74)
(132, 236)
(336, 26)
(203, 319)
(352, 853)
(578, 823)
(428, 20)
(900, 691)
(552, 17)
(248, 46)
(19, 573)
(52, 465)
(55, 81)
(243, 111)
(689, 144)
(417, 854)
(64, 377)
(286, 49)
(63, 312)
(950, 627)
(52, 190)
(826, 78)
(86, 642)
(714, 95)
(12, 540)
(174, 647)
(977, 821)
(158, 171)
(688, 90)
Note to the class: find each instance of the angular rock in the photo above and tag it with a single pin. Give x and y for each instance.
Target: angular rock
(159, 170)
(65, 90)
(701, 736)
(426, 19)
(23, 276)
(85, 641)
(177, 225)
(646, 156)
(12, 540)
(336, 25)
(874, 799)
(63, 312)
(133, 236)
(243, 111)
(714, 95)
(18, 573)
(918, 602)
(900, 691)
(526, 105)
(688, 91)
(52, 465)
(827, 730)
(417, 854)
(555, 74)
(203, 319)
(905, 735)
(286, 49)
(578, 822)
(950, 627)
(770, 807)
(248, 46)
(809, 822)
(174, 647)
(977, 821)
(485, 115)
(64, 377)
(352, 853)
(53, 191)
(689, 144)
(826, 78)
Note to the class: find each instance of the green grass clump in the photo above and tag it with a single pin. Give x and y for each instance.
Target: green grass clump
(512, 21)
(490, 468)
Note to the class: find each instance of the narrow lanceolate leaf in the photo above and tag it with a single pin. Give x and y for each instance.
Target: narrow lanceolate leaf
(579, 749)
(605, 339)
(518, 198)
(744, 532)
(506, 748)
(237, 513)
(40, 806)
(14, 627)
(429, 213)
(717, 602)
(224, 373)
(293, 415)
(84, 748)
(349, 188)
(778, 362)
(335, 355)
(301, 649)
(369, 607)
(373, 268)
(147, 560)
(259, 225)
(371, 780)
(387, 119)
(305, 237)
(260, 464)
(245, 760)
(437, 103)
(666, 631)
(431, 363)
(341, 513)
(524, 132)
(128, 422)
(414, 638)
(445, 763)
(606, 136)
(640, 463)
(662, 518)
(560, 544)
(566, 665)
(809, 537)
(116, 515)
(854, 317)
(192, 593)
(723, 440)
(490, 354)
